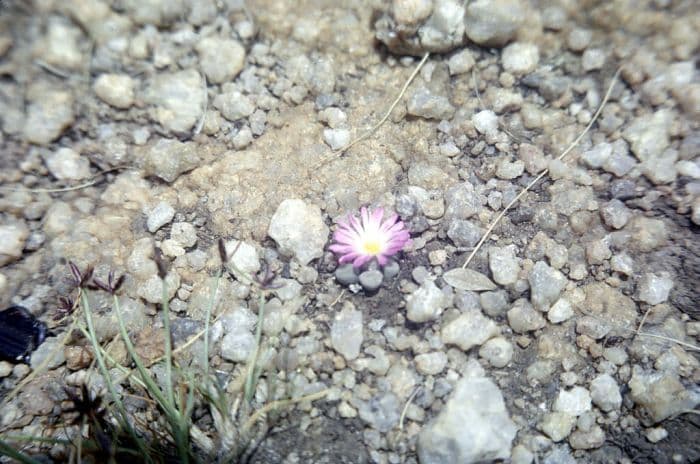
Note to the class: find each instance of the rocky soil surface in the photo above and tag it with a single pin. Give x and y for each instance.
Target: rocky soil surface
(207, 120)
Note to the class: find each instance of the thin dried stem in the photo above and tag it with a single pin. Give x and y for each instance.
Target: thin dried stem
(396, 101)
(544, 172)
(94, 180)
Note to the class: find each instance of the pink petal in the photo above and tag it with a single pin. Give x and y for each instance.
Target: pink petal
(376, 219)
(345, 236)
(341, 249)
(354, 223)
(361, 260)
(364, 214)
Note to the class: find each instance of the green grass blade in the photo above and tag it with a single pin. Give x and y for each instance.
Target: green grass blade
(7, 450)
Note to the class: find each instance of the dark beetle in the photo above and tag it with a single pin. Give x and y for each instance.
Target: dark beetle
(20, 334)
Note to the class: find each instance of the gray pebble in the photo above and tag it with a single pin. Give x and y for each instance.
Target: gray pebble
(494, 303)
(160, 215)
(371, 280)
(426, 105)
(345, 274)
(391, 269)
(463, 233)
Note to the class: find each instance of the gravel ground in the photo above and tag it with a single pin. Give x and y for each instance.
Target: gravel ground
(210, 120)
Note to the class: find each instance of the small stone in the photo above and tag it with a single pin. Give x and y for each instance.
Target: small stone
(619, 164)
(391, 269)
(462, 202)
(616, 355)
(473, 426)
(523, 318)
(661, 169)
(574, 402)
(346, 411)
(234, 105)
(520, 57)
(238, 346)
(494, 303)
(346, 332)
(411, 11)
(345, 274)
(688, 169)
(243, 258)
(504, 265)
(656, 434)
(579, 39)
(116, 90)
(371, 280)
(648, 135)
(493, 23)
(299, 230)
(533, 157)
(486, 122)
(605, 393)
(426, 303)
(598, 155)
(184, 234)
(498, 352)
(521, 455)
(382, 412)
(335, 117)
(5, 369)
(557, 425)
(437, 257)
(49, 113)
(647, 234)
(77, 357)
(560, 311)
(597, 252)
(615, 214)
(152, 289)
(66, 164)
(49, 352)
(505, 169)
(654, 289)
(13, 236)
(178, 99)
(461, 62)
(431, 363)
(594, 438)
(464, 233)
(336, 138)
(430, 202)
(659, 395)
(168, 159)
(159, 215)
(546, 284)
(243, 138)
(469, 329)
(426, 105)
(221, 59)
(503, 100)
(593, 59)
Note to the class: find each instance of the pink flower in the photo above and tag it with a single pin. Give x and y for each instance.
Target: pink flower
(370, 237)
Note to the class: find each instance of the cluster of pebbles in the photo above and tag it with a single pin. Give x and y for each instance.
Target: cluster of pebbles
(570, 337)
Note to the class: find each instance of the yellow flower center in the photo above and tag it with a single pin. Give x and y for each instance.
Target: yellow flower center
(371, 247)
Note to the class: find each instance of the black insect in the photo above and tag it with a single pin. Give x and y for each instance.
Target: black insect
(20, 334)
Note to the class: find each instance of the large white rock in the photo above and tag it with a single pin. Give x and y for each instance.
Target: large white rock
(473, 426)
(299, 230)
